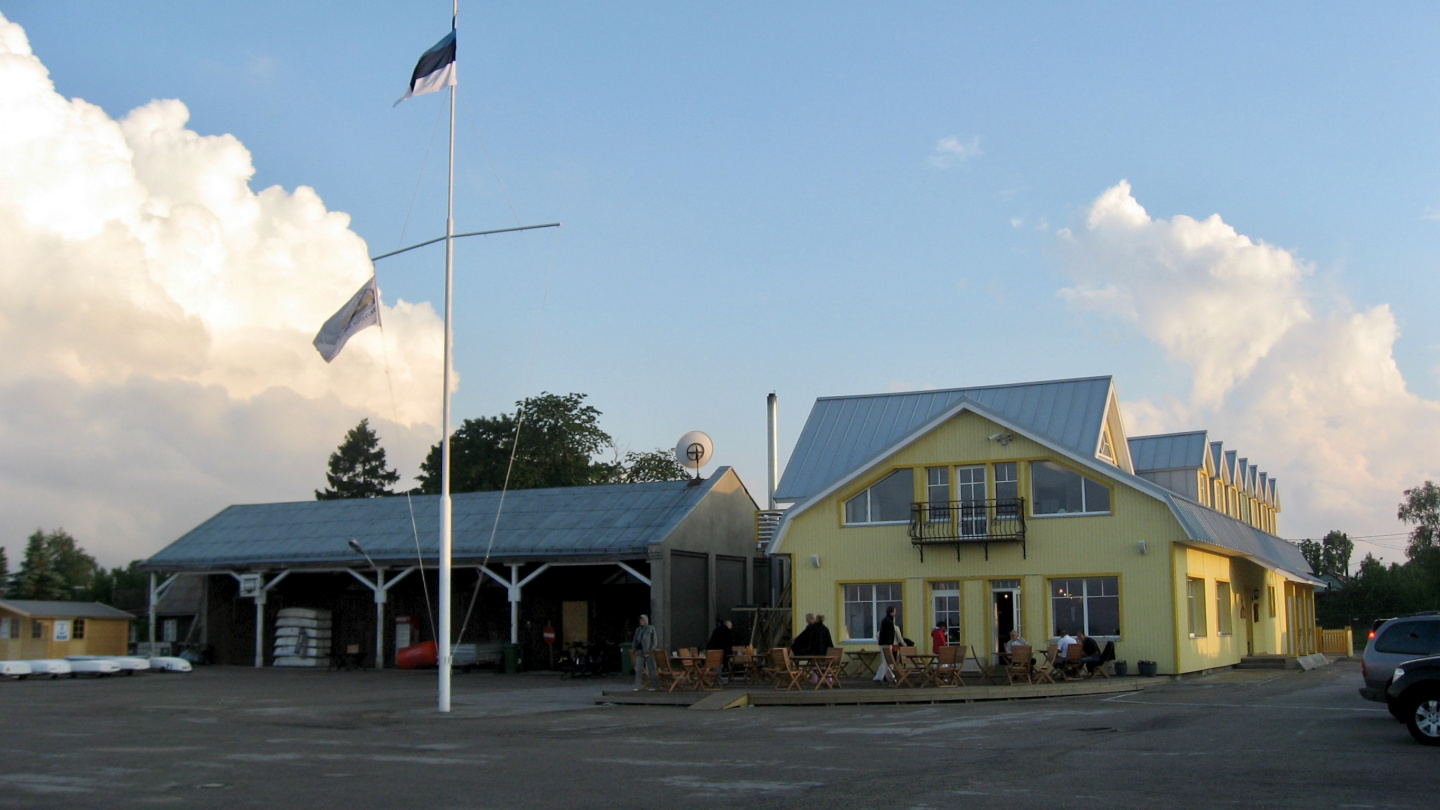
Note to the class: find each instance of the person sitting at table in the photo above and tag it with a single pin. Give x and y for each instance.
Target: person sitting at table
(1063, 646)
(823, 642)
(722, 638)
(1016, 638)
(1091, 650)
(804, 644)
(939, 637)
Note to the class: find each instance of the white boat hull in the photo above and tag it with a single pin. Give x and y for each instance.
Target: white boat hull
(49, 667)
(127, 664)
(169, 663)
(19, 670)
(93, 666)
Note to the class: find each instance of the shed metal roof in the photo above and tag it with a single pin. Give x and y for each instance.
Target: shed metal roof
(45, 609)
(844, 433)
(1168, 451)
(607, 521)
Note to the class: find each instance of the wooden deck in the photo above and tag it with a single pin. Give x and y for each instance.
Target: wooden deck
(858, 696)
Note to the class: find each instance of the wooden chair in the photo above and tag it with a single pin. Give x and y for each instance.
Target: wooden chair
(707, 674)
(671, 677)
(827, 669)
(1106, 656)
(906, 673)
(1046, 669)
(1019, 668)
(947, 667)
(787, 674)
(1072, 667)
(975, 666)
(742, 664)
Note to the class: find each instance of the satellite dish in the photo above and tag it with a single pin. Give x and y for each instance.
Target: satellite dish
(694, 450)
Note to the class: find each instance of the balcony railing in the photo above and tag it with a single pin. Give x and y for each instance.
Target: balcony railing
(959, 523)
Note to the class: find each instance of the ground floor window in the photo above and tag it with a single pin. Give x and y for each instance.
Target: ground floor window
(79, 630)
(946, 599)
(1223, 608)
(1089, 605)
(1195, 595)
(37, 629)
(865, 606)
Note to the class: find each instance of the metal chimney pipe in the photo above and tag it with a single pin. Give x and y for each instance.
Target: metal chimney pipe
(773, 459)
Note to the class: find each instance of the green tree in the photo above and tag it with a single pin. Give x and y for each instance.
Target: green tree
(559, 438)
(1422, 508)
(655, 465)
(54, 567)
(357, 467)
(1335, 553)
(1314, 554)
(4, 572)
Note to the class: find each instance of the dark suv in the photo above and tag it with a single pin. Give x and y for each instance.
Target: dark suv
(1395, 642)
(1414, 697)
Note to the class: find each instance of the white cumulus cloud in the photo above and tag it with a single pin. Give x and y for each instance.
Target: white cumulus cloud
(1308, 389)
(951, 151)
(156, 315)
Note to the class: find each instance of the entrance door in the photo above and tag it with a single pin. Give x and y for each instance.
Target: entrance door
(1005, 602)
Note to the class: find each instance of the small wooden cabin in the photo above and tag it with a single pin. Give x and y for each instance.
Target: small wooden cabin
(32, 629)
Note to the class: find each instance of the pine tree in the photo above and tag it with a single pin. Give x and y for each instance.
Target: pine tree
(38, 577)
(357, 467)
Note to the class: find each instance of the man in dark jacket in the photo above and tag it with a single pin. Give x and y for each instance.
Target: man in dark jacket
(804, 644)
(723, 638)
(822, 641)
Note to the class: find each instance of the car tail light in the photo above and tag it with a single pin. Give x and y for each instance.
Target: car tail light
(1372, 634)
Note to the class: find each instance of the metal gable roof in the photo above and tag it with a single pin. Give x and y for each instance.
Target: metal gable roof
(607, 521)
(1206, 525)
(1168, 451)
(46, 609)
(844, 433)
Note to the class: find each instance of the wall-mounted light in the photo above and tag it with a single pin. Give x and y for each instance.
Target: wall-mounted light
(815, 560)
(1003, 437)
(1142, 546)
(1257, 594)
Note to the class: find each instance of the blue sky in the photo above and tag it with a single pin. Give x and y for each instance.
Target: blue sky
(760, 198)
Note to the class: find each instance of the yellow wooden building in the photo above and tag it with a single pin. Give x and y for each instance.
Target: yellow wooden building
(1026, 506)
(40, 629)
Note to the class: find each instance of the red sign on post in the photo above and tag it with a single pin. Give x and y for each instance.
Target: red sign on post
(548, 634)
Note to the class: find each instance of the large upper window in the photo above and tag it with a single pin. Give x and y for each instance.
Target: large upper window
(937, 493)
(865, 606)
(1059, 491)
(1090, 605)
(886, 501)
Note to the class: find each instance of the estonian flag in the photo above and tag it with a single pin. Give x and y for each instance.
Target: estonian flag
(362, 310)
(436, 69)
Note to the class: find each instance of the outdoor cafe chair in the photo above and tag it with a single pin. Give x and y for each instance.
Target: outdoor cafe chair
(1106, 656)
(671, 677)
(902, 668)
(1019, 668)
(975, 666)
(1072, 667)
(788, 674)
(1045, 670)
(947, 667)
(827, 669)
(707, 673)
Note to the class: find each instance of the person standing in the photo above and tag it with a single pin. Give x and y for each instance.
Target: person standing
(645, 642)
(888, 637)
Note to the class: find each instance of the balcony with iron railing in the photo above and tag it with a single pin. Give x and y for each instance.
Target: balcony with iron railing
(961, 523)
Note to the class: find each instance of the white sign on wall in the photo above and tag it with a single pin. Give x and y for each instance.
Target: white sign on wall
(250, 585)
(62, 629)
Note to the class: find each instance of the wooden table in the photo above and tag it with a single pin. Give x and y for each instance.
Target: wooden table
(823, 668)
(926, 663)
(691, 664)
(866, 659)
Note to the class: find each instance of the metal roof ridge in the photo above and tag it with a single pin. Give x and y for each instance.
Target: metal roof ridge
(967, 388)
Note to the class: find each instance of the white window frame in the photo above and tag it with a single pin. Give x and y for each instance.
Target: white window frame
(1084, 507)
(947, 590)
(1224, 609)
(1196, 603)
(877, 613)
(869, 507)
(970, 522)
(1085, 596)
(937, 514)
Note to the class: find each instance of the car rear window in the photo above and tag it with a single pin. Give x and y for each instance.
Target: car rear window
(1410, 638)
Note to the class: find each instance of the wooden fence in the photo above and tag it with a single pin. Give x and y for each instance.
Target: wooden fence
(1334, 642)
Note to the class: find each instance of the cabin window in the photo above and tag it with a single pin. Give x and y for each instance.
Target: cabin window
(9, 628)
(1090, 605)
(79, 630)
(1060, 491)
(1223, 608)
(1195, 595)
(886, 501)
(37, 629)
(865, 606)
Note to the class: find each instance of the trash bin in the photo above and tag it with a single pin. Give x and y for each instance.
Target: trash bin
(512, 658)
(627, 663)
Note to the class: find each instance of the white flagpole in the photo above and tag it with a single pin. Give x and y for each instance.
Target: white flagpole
(444, 630)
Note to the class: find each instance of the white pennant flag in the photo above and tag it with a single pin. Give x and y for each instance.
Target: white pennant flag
(362, 310)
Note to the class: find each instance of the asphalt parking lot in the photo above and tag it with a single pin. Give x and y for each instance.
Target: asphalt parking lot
(233, 737)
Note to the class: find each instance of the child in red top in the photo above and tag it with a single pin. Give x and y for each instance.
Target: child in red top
(938, 636)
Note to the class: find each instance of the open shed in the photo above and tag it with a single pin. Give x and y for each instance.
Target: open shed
(585, 561)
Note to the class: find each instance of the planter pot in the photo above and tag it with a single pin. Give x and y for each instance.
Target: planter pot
(1122, 668)
(1148, 669)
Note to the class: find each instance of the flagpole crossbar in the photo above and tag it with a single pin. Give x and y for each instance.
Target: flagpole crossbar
(459, 235)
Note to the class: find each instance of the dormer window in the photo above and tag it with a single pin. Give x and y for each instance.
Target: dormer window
(1106, 451)
(886, 501)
